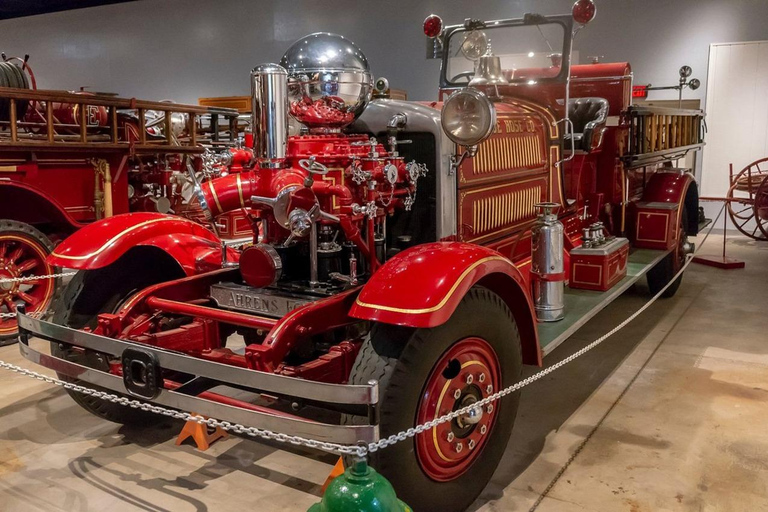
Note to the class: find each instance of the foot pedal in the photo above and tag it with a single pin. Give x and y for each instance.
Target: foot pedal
(203, 435)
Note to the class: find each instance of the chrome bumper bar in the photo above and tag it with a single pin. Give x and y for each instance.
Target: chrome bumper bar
(364, 397)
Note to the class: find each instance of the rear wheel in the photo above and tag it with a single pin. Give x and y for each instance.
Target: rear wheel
(426, 373)
(104, 290)
(23, 253)
(665, 270)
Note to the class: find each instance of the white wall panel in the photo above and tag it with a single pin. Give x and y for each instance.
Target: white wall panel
(737, 112)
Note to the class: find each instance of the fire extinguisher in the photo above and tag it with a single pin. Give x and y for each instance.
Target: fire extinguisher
(547, 267)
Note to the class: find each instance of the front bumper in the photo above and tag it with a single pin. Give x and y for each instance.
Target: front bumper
(208, 374)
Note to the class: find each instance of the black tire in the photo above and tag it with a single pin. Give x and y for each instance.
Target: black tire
(37, 237)
(103, 290)
(401, 359)
(665, 270)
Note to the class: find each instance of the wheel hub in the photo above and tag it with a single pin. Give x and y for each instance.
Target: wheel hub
(467, 373)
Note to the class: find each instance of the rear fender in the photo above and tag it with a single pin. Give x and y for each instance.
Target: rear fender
(97, 245)
(422, 286)
(675, 187)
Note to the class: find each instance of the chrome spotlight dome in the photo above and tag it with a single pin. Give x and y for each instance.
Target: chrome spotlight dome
(329, 81)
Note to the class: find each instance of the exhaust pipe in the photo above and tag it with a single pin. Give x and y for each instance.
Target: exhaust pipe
(269, 91)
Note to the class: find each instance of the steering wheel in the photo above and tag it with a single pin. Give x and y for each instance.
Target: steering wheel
(464, 75)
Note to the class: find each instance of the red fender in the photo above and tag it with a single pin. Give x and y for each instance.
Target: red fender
(675, 187)
(23, 202)
(422, 286)
(97, 245)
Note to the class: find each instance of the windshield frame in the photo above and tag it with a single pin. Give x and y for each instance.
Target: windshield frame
(565, 21)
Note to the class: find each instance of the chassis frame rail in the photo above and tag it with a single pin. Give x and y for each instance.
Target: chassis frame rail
(218, 373)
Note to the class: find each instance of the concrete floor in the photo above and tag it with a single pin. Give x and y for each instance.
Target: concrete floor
(669, 415)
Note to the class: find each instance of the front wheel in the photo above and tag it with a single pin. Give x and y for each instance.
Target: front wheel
(426, 373)
(89, 293)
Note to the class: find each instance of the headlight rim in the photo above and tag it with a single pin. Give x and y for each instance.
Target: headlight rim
(482, 98)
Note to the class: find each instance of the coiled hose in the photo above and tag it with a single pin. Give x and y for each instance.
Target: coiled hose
(12, 75)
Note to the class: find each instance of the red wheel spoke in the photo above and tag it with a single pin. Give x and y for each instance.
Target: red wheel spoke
(10, 305)
(16, 254)
(3, 249)
(32, 282)
(29, 299)
(27, 265)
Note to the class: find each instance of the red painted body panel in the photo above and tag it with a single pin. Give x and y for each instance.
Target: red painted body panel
(101, 243)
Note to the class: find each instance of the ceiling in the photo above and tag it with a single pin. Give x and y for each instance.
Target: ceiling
(18, 8)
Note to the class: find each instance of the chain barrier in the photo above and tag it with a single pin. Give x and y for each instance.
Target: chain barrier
(363, 449)
(24, 279)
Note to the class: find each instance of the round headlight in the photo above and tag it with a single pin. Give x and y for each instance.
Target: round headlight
(468, 117)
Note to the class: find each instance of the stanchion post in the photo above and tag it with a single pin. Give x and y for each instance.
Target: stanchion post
(360, 489)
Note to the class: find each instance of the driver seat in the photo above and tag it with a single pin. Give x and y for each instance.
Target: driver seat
(588, 116)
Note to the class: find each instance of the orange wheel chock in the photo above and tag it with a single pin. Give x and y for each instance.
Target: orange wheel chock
(200, 433)
(337, 470)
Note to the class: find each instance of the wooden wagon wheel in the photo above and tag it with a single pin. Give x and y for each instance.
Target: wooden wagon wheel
(748, 200)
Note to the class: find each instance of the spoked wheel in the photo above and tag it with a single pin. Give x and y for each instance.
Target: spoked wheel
(23, 250)
(427, 373)
(748, 200)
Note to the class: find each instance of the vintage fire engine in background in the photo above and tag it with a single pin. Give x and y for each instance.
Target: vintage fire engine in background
(68, 159)
(408, 257)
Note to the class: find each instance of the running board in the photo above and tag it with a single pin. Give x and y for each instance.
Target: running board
(582, 305)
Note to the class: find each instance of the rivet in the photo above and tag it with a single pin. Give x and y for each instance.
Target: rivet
(450, 437)
(469, 379)
(457, 394)
(483, 430)
(489, 409)
(471, 444)
(481, 378)
(459, 447)
(489, 389)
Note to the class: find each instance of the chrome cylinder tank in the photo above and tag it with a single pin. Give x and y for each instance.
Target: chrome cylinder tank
(547, 266)
(269, 91)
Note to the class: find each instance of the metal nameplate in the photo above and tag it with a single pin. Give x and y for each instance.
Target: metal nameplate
(264, 302)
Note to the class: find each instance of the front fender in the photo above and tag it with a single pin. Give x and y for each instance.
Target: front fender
(97, 245)
(675, 187)
(422, 286)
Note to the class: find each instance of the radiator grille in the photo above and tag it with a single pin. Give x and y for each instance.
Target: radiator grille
(490, 213)
(501, 153)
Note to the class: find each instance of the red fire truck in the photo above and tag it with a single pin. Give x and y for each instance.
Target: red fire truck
(69, 159)
(408, 257)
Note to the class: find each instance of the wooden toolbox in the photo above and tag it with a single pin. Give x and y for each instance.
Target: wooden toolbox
(601, 267)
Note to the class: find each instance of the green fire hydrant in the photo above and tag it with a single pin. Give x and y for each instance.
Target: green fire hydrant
(360, 489)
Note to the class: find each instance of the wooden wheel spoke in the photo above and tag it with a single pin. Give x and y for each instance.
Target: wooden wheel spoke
(745, 221)
(10, 305)
(29, 299)
(16, 254)
(27, 265)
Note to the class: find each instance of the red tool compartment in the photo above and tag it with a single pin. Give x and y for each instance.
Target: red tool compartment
(601, 267)
(656, 225)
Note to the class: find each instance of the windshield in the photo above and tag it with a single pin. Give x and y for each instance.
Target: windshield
(528, 52)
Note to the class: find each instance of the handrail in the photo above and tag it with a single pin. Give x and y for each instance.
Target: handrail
(110, 101)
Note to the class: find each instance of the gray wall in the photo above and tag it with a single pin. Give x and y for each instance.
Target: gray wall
(185, 49)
